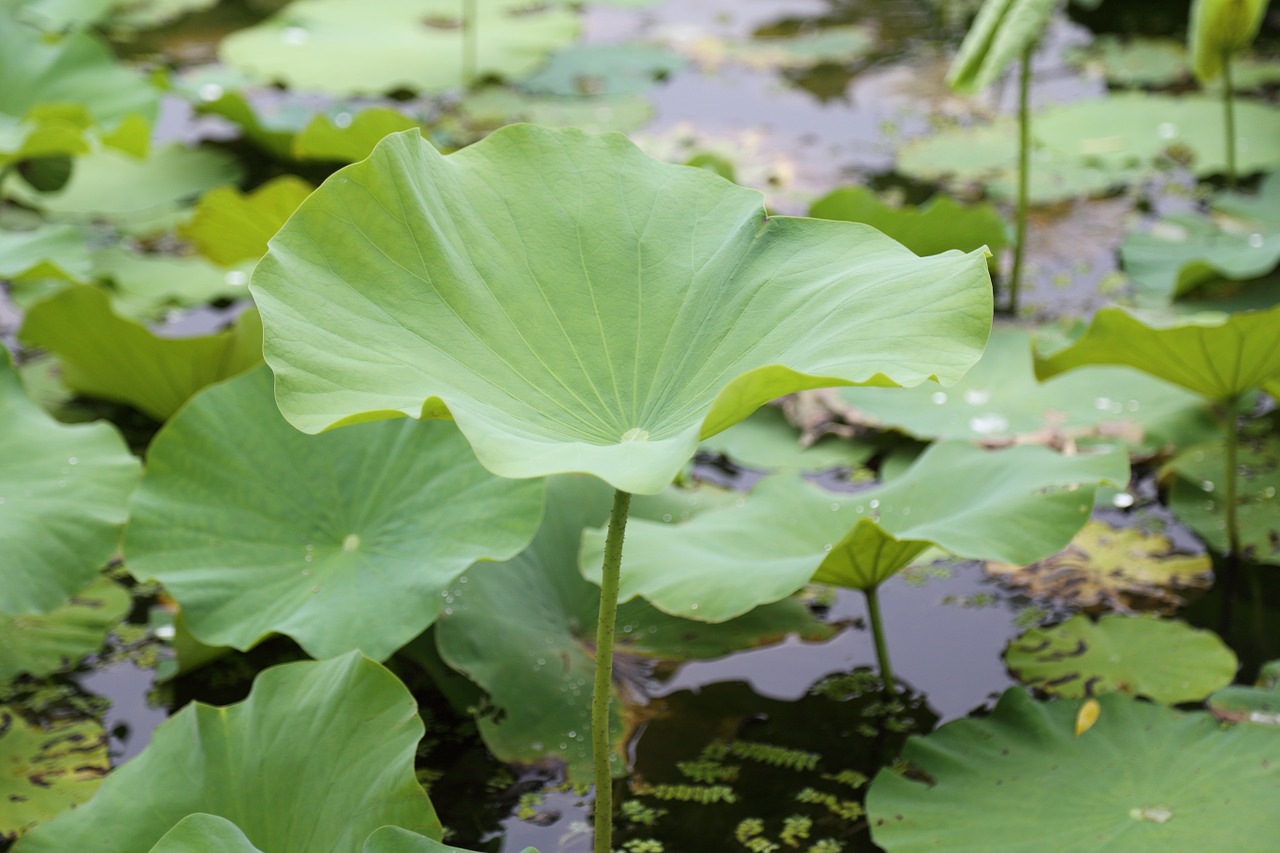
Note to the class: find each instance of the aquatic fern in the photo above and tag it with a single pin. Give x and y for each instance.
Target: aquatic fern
(708, 772)
(845, 809)
(705, 794)
(639, 814)
(776, 756)
(850, 778)
(827, 845)
(795, 828)
(643, 845)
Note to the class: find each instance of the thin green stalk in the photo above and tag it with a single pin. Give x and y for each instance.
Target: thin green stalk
(470, 39)
(603, 690)
(877, 632)
(1024, 176)
(1228, 106)
(1231, 567)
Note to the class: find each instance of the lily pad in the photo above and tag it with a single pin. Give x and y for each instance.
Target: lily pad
(229, 226)
(318, 757)
(109, 357)
(63, 491)
(337, 46)
(1218, 356)
(348, 540)
(939, 224)
(346, 138)
(524, 630)
(1143, 778)
(603, 70)
(46, 771)
(201, 833)
(766, 441)
(1164, 660)
(1259, 704)
(1196, 498)
(609, 349)
(393, 839)
(999, 401)
(41, 643)
(1119, 568)
(1002, 32)
(971, 502)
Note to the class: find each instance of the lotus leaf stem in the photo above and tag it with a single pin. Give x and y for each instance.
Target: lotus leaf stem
(1024, 176)
(877, 633)
(1228, 106)
(603, 690)
(1231, 567)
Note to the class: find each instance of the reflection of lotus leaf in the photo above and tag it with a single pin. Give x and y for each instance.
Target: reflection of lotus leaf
(1167, 661)
(1117, 568)
(45, 771)
(1143, 778)
(1259, 704)
(49, 642)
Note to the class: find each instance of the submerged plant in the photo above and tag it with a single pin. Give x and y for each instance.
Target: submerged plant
(1006, 30)
(577, 306)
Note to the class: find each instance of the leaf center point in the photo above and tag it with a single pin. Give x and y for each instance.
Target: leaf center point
(635, 434)
(351, 543)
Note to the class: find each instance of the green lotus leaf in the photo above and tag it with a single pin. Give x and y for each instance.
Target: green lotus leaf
(202, 833)
(766, 441)
(1143, 778)
(393, 839)
(117, 16)
(939, 224)
(999, 401)
(63, 491)
(1217, 356)
(792, 51)
(51, 250)
(218, 93)
(1002, 32)
(41, 643)
(1164, 660)
(524, 630)
(1124, 568)
(149, 286)
(46, 771)
(347, 540)
(603, 69)
(1151, 62)
(973, 503)
(494, 106)
(315, 759)
(229, 226)
(1220, 28)
(336, 46)
(1196, 496)
(1133, 130)
(109, 357)
(606, 337)
(345, 138)
(1259, 704)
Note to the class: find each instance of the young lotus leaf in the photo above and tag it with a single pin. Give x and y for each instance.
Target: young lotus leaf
(347, 138)
(393, 839)
(1143, 778)
(1124, 569)
(578, 306)
(524, 630)
(229, 226)
(202, 833)
(1002, 32)
(41, 643)
(315, 759)
(1196, 496)
(1259, 704)
(348, 540)
(1218, 356)
(109, 357)
(971, 502)
(63, 491)
(999, 401)
(1220, 28)
(935, 226)
(1164, 660)
(766, 441)
(46, 771)
(337, 46)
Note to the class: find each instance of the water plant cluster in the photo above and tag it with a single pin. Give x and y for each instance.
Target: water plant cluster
(388, 382)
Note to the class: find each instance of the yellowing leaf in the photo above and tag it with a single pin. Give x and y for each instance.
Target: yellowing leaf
(1087, 716)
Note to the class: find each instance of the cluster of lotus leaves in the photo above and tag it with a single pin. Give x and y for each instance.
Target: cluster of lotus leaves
(575, 305)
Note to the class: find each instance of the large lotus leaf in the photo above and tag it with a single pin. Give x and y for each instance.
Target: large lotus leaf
(45, 771)
(1134, 129)
(315, 759)
(974, 503)
(337, 46)
(1164, 660)
(110, 357)
(1122, 569)
(77, 68)
(50, 250)
(1196, 496)
(603, 69)
(229, 226)
(347, 540)
(345, 138)
(115, 15)
(766, 441)
(593, 309)
(393, 839)
(41, 643)
(149, 286)
(203, 833)
(1218, 356)
(1220, 28)
(63, 491)
(936, 226)
(1182, 253)
(1002, 32)
(524, 630)
(1259, 704)
(1000, 401)
(1143, 778)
